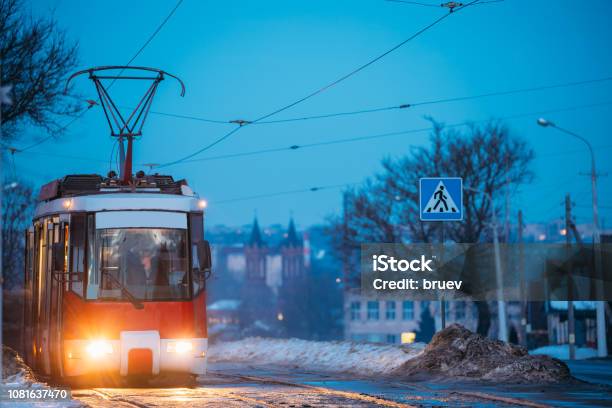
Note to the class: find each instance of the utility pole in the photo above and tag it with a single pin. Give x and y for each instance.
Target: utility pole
(507, 206)
(522, 288)
(345, 262)
(345, 249)
(499, 276)
(571, 323)
(602, 348)
(501, 304)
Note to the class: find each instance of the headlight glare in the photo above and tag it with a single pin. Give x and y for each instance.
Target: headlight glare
(99, 348)
(180, 346)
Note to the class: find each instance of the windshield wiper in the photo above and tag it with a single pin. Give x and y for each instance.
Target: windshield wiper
(124, 291)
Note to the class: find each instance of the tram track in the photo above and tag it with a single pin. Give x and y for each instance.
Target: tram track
(362, 397)
(236, 389)
(113, 399)
(482, 396)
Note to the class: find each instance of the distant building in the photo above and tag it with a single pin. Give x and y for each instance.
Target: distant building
(552, 232)
(266, 272)
(585, 323)
(386, 320)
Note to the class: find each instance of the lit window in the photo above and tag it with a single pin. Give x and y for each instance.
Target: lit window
(408, 337)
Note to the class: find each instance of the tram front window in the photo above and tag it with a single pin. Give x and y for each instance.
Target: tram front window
(148, 263)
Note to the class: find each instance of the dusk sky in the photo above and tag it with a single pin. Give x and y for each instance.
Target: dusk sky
(242, 59)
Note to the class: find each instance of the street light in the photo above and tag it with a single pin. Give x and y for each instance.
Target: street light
(501, 305)
(602, 349)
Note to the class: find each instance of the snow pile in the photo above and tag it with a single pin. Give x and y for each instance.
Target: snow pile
(459, 353)
(332, 356)
(18, 375)
(16, 372)
(561, 351)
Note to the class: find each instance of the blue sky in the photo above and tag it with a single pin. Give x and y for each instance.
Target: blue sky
(241, 59)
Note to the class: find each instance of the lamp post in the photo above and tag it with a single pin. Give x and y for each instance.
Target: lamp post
(602, 348)
(501, 304)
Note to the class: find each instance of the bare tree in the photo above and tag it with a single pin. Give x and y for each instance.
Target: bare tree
(17, 208)
(36, 58)
(386, 207)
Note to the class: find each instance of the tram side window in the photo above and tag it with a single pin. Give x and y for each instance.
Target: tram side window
(196, 226)
(77, 252)
(92, 275)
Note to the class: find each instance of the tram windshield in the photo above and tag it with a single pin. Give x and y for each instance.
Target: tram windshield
(148, 263)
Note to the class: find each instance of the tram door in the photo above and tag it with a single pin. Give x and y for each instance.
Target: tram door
(39, 295)
(58, 272)
(30, 260)
(47, 296)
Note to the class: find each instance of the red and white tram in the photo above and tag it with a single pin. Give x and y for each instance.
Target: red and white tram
(115, 278)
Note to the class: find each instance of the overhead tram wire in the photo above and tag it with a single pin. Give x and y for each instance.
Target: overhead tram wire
(280, 193)
(63, 128)
(151, 37)
(418, 3)
(390, 134)
(414, 3)
(320, 90)
(396, 107)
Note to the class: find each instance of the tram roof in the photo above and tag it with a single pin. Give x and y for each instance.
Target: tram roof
(93, 193)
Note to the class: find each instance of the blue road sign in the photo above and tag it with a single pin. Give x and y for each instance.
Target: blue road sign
(441, 198)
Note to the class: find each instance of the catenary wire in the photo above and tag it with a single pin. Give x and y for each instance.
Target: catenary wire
(350, 139)
(151, 37)
(388, 134)
(279, 193)
(417, 3)
(396, 107)
(318, 91)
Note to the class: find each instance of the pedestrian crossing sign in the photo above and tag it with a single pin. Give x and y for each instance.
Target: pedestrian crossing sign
(441, 198)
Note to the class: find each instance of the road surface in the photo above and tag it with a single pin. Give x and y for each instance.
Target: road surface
(232, 385)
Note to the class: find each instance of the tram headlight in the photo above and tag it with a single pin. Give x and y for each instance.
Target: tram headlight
(202, 204)
(99, 348)
(179, 346)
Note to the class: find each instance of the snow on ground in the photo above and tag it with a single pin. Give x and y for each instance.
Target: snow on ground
(330, 356)
(561, 351)
(18, 375)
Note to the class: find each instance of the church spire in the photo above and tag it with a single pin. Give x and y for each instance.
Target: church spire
(256, 234)
(292, 236)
